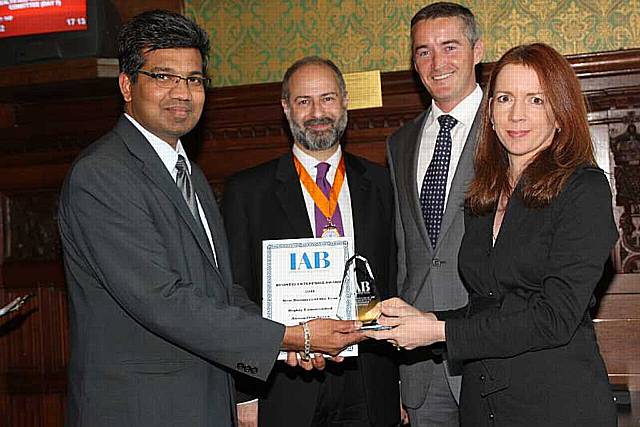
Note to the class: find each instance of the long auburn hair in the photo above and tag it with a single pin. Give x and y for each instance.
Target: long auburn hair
(543, 179)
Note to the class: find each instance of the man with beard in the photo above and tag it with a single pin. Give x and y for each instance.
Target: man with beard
(276, 201)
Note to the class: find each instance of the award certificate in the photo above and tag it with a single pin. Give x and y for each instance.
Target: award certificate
(302, 279)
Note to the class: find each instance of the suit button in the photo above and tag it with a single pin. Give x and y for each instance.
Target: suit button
(435, 262)
(490, 293)
(491, 416)
(482, 377)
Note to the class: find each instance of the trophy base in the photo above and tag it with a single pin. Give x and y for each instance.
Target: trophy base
(374, 326)
(368, 310)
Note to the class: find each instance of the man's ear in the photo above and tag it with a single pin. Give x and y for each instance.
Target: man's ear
(345, 100)
(478, 52)
(124, 81)
(285, 107)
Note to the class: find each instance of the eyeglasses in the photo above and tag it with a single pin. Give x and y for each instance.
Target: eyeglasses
(169, 81)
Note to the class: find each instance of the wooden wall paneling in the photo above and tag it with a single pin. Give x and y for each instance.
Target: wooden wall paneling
(7, 116)
(57, 126)
(34, 340)
(27, 177)
(619, 342)
(33, 410)
(26, 82)
(617, 323)
(620, 306)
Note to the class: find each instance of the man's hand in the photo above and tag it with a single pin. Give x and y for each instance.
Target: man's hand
(248, 414)
(404, 415)
(317, 360)
(332, 336)
(327, 336)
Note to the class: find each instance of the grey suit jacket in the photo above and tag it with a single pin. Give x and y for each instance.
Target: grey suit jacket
(155, 326)
(427, 279)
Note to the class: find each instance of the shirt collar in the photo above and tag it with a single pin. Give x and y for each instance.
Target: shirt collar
(167, 154)
(310, 163)
(464, 112)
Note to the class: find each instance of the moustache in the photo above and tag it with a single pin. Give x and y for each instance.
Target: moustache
(186, 105)
(320, 121)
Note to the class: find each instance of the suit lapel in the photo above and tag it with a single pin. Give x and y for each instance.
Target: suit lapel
(359, 185)
(152, 167)
(214, 220)
(364, 201)
(290, 198)
(411, 160)
(461, 179)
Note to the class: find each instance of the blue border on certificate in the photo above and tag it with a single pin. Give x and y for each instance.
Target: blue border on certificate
(308, 244)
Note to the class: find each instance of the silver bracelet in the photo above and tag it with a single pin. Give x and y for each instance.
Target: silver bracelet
(307, 342)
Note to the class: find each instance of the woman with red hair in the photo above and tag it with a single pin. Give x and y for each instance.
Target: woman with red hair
(538, 230)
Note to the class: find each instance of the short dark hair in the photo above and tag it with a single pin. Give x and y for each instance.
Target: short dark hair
(158, 29)
(311, 60)
(445, 9)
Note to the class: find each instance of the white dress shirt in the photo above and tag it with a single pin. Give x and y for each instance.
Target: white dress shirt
(464, 113)
(344, 198)
(169, 158)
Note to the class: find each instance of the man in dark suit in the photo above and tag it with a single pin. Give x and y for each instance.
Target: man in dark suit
(156, 326)
(431, 161)
(275, 201)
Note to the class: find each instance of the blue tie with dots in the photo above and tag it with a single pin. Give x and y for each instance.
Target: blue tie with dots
(434, 185)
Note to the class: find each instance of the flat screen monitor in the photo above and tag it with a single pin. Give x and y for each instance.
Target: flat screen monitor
(26, 17)
(45, 30)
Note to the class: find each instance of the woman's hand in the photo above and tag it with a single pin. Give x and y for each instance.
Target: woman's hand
(411, 328)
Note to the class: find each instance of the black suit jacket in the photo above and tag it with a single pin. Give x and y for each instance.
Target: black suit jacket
(153, 326)
(265, 203)
(526, 337)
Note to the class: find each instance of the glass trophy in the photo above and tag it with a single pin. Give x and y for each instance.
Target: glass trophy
(358, 280)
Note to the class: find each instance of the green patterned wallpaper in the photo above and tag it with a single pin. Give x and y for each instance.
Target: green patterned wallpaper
(254, 41)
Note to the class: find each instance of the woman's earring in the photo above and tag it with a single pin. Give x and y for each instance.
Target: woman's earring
(558, 130)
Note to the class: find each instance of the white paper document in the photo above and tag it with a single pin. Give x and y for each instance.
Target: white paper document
(302, 279)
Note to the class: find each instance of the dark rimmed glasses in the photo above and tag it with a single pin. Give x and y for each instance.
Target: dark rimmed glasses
(169, 81)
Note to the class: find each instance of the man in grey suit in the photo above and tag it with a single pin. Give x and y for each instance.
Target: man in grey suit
(156, 325)
(431, 160)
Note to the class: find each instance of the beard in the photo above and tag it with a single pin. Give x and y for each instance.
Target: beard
(319, 141)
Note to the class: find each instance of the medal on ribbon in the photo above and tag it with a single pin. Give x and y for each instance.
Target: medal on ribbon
(326, 205)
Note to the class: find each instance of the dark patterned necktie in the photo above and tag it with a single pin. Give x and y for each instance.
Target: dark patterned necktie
(434, 185)
(183, 181)
(321, 220)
